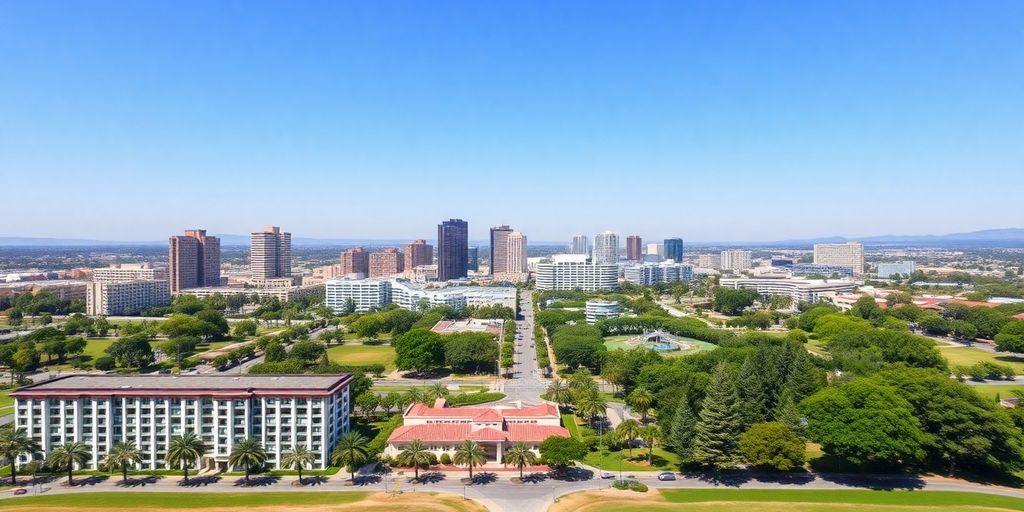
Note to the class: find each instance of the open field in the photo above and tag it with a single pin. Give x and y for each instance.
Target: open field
(967, 356)
(6, 402)
(784, 500)
(242, 502)
(363, 354)
(610, 460)
(1003, 390)
(619, 342)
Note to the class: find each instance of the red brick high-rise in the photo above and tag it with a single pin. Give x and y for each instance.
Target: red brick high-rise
(634, 248)
(193, 260)
(417, 253)
(355, 260)
(386, 263)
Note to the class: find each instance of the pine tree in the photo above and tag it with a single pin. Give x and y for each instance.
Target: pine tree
(804, 379)
(681, 431)
(750, 387)
(716, 437)
(787, 413)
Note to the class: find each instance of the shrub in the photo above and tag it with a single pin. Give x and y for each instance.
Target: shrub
(475, 398)
(638, 486)
(104, 363)
(446, 459)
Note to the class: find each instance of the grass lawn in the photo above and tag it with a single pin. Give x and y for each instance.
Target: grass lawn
(213, 345)
(615, 460)
(785, 500)
(1003, 390)
(6, 402)
(967, 356)
(363, 354)
(816, 347)
(619, 342)
(241, 501)
(569, 422)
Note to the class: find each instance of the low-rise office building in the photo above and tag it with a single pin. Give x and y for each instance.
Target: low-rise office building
(650, 273)
(128, 272)
(576, 272)
(597, 310)
(801, 290)
(376, 293)
(281, 411)
(891, 268)
(283, 294)
(125, 297)
(818, 269)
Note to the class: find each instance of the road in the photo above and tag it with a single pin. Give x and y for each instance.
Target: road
(527, 382)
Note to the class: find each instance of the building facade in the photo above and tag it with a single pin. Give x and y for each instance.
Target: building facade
(674, 249)
(606, 248)
(575, 272)
(634, 248)
(888, 269)
(735, 259)
(367, 294)
(709, 260)
(817, 269)
(452, 249)
(386, 263)
(664, 272)
(580, 245)
(193, 260)
(129, 272)
(499, 249)
(125, 297)
(418, 253)
(515, 253)
(597, 310)
(800, 290)
(281, 411)
(270, 253)
(472, 259)
(355, 261)
(850, 254)
(362, 294)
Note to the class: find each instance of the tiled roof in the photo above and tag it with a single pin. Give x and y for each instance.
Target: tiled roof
(420, 410)
(445, 433)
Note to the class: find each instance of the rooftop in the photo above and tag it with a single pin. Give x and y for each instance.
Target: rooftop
(169, 384)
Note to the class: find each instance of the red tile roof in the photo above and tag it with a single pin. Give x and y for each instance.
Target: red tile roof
(446, 433)
(423, 411)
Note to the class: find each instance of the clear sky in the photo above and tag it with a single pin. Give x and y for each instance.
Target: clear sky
(716, 120)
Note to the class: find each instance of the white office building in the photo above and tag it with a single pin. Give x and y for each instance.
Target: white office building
(575, 272)
(650, 273)
(850, 254)
(125, 297)
(376, 293)
(281, 411)
(597, 310)
(365, 294)
(887, 269)
(735, 259)
(606, 248)
(801, 290)
(121, 272)
(580, 245)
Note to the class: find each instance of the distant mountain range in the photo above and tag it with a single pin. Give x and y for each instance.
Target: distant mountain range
(1008, 237)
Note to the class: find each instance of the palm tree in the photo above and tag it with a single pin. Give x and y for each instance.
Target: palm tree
(640, 399)
(67, 455)
(415, 454)
(248, 453)
(470, 453)
(15, 442)
(122, 455)
(650, 435)
(185, 450)
(416, 396)
(591, 405)
(298, 458)
(438, 390)
(629, 430)
(559, 392)
(352, 450)
(520, 455)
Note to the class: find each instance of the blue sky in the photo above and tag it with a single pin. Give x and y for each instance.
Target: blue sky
(717, 120)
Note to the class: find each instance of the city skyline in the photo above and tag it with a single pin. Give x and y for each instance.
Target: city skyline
(739, 109)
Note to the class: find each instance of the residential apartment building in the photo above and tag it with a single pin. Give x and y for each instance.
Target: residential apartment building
(125, 297)
(386, 263)
(452, 249)
(575, 272)
(580, 245)
(193, 260)
(499, 249)
(817, 269)
(270, 253)
(355, 261)
(736, 260)
(850, 254)
(418, 253)
(673, 249)
(597, 310)
(281, 411)
(121, 272)
(651, 273)
(634, 248)
(442, 429)
(654, 253)
(283, 294)
(515, 253)
(709, 260)
(363, 294)
(890, 268)
(606, 248)
(368, 294)
(800, 290)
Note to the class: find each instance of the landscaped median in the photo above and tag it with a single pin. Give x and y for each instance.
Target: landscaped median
(783, 500)
(241, 501)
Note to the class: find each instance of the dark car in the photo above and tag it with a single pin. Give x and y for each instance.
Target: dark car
(20, 491)
(666, 476)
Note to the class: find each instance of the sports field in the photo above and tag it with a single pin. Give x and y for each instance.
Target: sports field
(784, 500)
(241, 502)
(363, 354)
(622, 342)
(967, 356)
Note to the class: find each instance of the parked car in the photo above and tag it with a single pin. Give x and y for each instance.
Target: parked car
(19, 491)
(666, 476)
(607, 476)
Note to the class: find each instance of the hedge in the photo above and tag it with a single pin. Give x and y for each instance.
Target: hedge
(479, 397)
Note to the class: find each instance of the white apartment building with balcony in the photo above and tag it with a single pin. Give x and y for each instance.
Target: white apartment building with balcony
(122, 272)
(376, 293)
(281, 411)
(576, 272)
(123, 297)
(735, 259)
(850, 254)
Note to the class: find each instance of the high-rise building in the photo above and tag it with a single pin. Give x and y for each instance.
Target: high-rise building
(580, 245)
(655, 253)
(606, 248)
(386, 263)
(499, 249)
(473, 259)
(270, 253)
(735, 259)
(634, 248)
(355, 260)
(674, 249)
(850, 254)
(418, 253)
(452, 249)
(709, 260)
(193, 260)
(516, 253)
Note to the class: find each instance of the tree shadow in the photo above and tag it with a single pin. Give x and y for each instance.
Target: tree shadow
(534, 478)
(41, 479)
(364, 480)
(258, 481)
(439, 373)
(90, 481)
(199, 481)
(572, 474)
(138, 482)
(312, 481)
(724, 478)
(484, 478)
(876, 482)
(790, 478)
(428, 477)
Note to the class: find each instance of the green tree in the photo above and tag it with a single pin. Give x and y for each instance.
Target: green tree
(275, 352)
(249, 454)
(640, 399)
(558, 391)
(562, 452)
(470, 352)
(122, 455)
(419, 350)
(470, 454)
(131, 352)
(772, 446)
(15, 442)
(415, 454)
(719, 423)
(629, 430)
(864, 422)
(680, 433)
(245, 328)
(67, 455)
(184, 451)
(650, 435)
(298, 458)
(351, 451)
(788, 413)
(520, 455)
(1011, 337)
(368, 403)
(732, 301)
